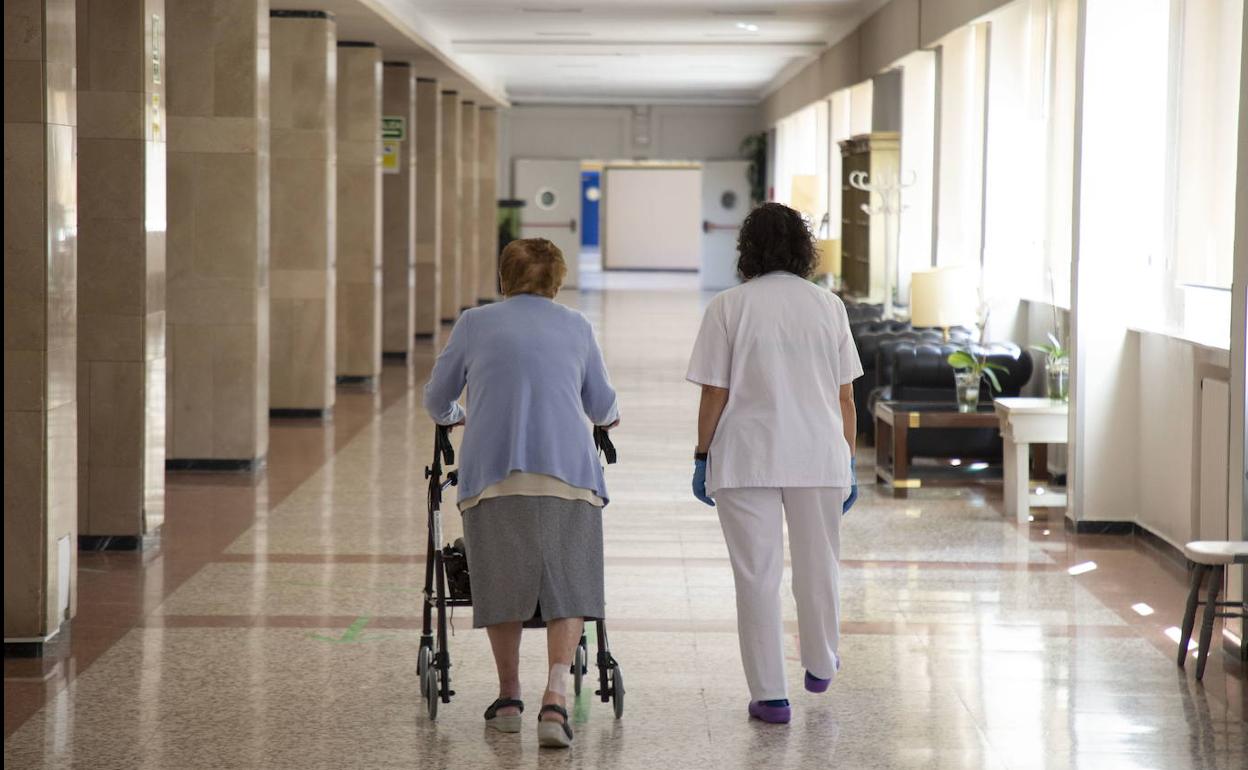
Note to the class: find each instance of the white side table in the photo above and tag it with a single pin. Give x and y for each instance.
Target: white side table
(1027, 421)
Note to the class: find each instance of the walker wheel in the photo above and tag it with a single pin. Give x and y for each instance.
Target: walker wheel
(578, 668)
(423, 659)
(429, 688)
(617, 691)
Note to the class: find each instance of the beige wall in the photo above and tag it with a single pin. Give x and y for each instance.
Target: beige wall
(398, 228)
(452, 271)
(428, 145)
(218, 231)
(468, 223)
(898, 28)
(304, 66)
(40, 317)
(487, 205)
(581, 132)
(359, 211)
(121, 267)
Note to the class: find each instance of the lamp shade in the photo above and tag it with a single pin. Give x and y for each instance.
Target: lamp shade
(805, 194)
(943, 297)
(829, 257)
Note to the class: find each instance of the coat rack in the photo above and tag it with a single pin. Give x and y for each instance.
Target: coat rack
(888, 194)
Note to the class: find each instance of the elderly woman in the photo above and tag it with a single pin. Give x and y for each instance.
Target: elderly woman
(776, 433)
(531, 488)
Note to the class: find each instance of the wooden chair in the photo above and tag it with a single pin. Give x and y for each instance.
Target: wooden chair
(1209, 556)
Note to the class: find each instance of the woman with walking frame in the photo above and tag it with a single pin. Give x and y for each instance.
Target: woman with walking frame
(530, 485)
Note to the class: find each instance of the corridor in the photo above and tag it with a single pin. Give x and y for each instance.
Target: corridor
(276, 622)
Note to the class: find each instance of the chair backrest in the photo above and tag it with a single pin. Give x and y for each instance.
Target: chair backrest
(921, 370)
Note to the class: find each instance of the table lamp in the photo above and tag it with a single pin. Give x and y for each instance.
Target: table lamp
(804, 195)
(943, 297)
(829, 257)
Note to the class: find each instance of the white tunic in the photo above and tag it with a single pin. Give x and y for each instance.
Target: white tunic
(781, 346)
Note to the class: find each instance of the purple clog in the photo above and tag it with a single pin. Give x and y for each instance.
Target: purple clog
(776, 715)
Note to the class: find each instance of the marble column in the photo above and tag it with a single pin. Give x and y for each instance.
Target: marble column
(468, 223)
(487, 205)
(218, 236)
(452, 267)
(121, 271)
(428, 143)
(40, 321)
(359, 211)
(398, 227)
(303, 204)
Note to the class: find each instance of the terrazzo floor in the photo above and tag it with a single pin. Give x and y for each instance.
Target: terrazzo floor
(275, 622)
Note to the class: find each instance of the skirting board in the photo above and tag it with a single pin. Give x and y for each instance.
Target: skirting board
(301, 414)
(215, 465)
(38, 648)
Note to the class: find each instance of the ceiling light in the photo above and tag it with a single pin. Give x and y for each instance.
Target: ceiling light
(564, 34)
(747, 26)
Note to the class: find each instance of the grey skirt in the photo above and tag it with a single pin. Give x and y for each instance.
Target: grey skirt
(530, 555)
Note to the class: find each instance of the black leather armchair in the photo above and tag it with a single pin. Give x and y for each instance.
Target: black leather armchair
(875, 340)
(861, 311)
(920, 371)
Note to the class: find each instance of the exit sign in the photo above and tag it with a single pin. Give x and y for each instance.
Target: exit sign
(393, 127)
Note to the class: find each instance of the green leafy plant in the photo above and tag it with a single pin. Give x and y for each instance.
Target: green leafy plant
(1054, 350)
(977, 364)
(754, 149)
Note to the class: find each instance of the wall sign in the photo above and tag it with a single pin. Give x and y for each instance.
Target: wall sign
(390, 156)
(393, 127)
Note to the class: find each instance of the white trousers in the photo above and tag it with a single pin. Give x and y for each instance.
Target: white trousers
(752, 519)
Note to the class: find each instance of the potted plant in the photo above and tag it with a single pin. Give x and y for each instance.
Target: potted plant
(754, 149)
(970, 367)
(1056, 368)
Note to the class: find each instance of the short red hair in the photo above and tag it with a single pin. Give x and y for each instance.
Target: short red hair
(531, 266)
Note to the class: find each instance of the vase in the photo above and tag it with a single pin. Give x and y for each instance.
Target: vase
(1057, 379)
(968, 389)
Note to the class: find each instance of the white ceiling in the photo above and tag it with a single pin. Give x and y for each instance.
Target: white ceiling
(624, 51)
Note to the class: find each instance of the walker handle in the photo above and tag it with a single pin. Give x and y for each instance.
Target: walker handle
(602, 443)
(442, 445)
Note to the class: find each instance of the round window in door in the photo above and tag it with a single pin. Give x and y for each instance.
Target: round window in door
(547, 199)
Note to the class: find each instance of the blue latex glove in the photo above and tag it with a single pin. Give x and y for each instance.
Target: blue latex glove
(699, 482)
(853, 491)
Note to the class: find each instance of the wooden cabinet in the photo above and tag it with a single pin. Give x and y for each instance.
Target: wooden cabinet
(862, 235)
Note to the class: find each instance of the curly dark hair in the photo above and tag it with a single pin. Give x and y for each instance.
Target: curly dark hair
(775, 237)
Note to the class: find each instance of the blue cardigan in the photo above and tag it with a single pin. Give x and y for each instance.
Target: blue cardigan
(534, 374)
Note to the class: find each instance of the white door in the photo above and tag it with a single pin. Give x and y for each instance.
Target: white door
(725, 202)
(551, 191)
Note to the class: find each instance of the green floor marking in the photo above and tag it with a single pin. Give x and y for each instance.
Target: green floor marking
(580, 709)
(353, 634)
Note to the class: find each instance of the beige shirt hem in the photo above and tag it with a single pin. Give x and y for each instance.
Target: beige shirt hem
(533, 485)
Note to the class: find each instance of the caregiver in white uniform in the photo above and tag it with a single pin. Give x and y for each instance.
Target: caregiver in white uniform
(776, 433)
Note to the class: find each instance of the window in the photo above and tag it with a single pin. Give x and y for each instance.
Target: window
(1161, 114)
(802, 161)
(849, 114)
(1017, 247)
(918, 156)
(963, 73)
(1206, 110)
